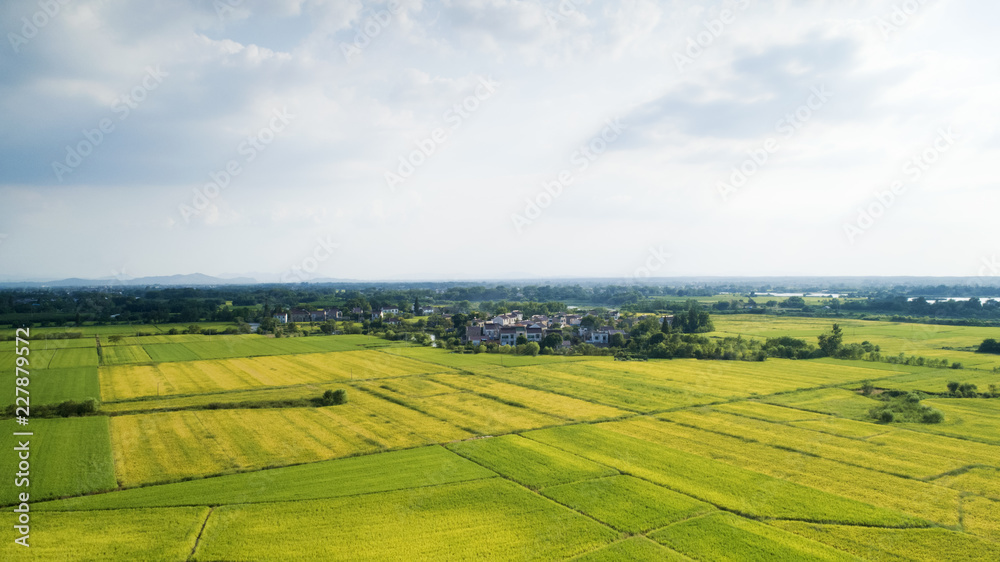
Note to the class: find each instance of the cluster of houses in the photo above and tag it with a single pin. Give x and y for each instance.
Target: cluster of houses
(387, 313)
(506, 328)
(303, 315)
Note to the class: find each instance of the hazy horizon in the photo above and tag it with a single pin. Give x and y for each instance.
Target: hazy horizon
(499, 139)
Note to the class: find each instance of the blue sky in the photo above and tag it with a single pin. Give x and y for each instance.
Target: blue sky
(299, 139)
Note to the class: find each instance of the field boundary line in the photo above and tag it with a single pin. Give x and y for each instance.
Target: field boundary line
(248, 503)
(197, 539)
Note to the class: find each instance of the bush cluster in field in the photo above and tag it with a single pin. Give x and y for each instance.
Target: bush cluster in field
(64, 409)
(989, 346)
(902, 406)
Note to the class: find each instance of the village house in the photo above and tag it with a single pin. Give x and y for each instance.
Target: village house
(281, 317)
(299, 315)
(474, 335)
(390, 310)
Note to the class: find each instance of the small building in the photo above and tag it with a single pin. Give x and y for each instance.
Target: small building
(474, 335)
(299, 315)
(390, 310)
(281, 317)
(534, 334)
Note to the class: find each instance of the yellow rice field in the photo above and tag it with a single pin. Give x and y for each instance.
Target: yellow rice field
(124, 382)
(157, 447)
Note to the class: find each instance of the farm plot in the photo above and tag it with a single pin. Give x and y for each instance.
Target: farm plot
(124, 354)
(724, 536)
(397, 470)
(869, 543)
(162, 447)
(195, 377)
(170, 352)
(920, 499)
(483, 416)
(131, 534)
(981, 481)
(475, 520)
(628, 504)
(935, 381)
(554, 404)
(767, 412)
(728, 379)
(726, 486)
(417, 387)
(836, 401)
(901, 461)
(228, 398)
(981, 517)
(472, 360)
(528, 462)
(68, 457)
(51, 386)
(636, 549)
(74, 357)
(618, 390)
(965, 418)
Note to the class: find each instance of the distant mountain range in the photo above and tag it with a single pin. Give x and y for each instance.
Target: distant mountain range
(189, 280)
(808, 283)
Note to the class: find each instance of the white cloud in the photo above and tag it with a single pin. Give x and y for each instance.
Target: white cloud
(560, 79)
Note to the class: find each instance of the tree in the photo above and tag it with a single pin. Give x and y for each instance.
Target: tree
(334, 397)
(617, 340)
(793, 302)
(830, 342)
(416, 306)
(521, 339)
(115, 338)
(552, 341)
(530, 348)
(989, 346)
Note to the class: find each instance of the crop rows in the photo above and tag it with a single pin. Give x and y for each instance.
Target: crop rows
(554, 404)
(919, 499)
(67, 457)
(196, 377)
(530, 463)
(732, 488)
(166, 534)
(628, 504)
(395, 470)
(156, 447)
(484, 519)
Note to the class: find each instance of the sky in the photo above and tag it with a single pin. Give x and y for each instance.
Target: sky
(303, 139)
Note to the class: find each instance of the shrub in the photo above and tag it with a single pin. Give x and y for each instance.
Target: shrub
(886, 416)
(933, 416)
(334, 397)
